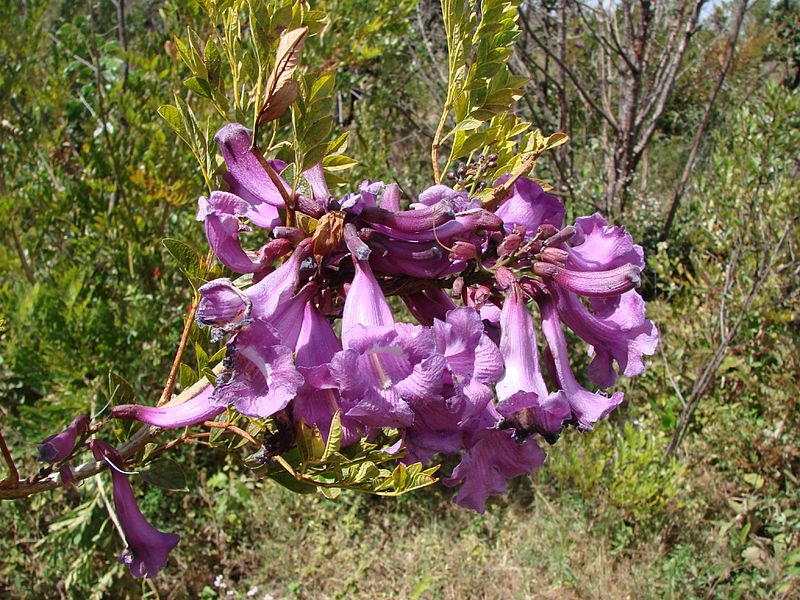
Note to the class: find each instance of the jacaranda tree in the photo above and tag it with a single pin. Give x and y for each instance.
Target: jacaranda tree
(354, 337)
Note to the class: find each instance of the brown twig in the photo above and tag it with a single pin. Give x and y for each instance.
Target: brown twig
(13, 474)
(126, 450)
(176, 362)
(501, 192)
(706, 377)
(699, 133)
(233, 429)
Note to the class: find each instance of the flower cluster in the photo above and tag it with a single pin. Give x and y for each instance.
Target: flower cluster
(467, 379)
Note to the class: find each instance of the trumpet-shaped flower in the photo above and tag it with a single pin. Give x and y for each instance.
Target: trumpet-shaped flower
(264, 379)
(526, 404)
(586, 407)
(148, 547)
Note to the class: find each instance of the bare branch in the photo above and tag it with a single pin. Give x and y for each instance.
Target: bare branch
(701, 128)
(578, 86)
(706, 377)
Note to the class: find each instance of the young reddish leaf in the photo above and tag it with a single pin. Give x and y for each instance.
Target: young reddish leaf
(281, 90)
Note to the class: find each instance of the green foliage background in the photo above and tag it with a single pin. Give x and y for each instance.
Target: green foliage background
(91, 181)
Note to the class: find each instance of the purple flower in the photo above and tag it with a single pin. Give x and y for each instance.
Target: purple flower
(437, 193)
(264, 379)
(59, 446)
(617, 330)
(374, 372)
(365, 304)
(383, 366)
(226, 307)
(315, 176)
(603, 263)
(428, 304)
(148, 547)
(529, 207)
(460, 224)
(318, 399)
(390, 200)
(247, 176)
(488, 463)
(195, 410)
(526, 403)
(451, 401)
(221, 212)
(598, 246)
(586, 407)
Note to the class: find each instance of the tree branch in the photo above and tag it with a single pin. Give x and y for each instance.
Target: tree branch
(701, 128)
(127, 449)
(578, 86)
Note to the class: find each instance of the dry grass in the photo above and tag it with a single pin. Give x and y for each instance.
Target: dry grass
(361, 547)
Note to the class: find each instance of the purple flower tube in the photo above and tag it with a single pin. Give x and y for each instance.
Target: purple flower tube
(148, 547)
(195, 410)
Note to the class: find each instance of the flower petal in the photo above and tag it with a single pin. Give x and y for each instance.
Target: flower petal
(195, 410)
(246, 173)
(365, 304)
(221, 215)
(529, 206)
(485, 467)
(598, 246)
(619, 332)
(382, 408)
(264, 379)
(59, 446)
(587, 407)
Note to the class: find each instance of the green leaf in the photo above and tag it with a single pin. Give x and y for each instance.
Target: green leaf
(331, 493)
(318, 132)
(323, 87)
(339, 144)
(313, 156)
(556, 139)
(165, 473)
(148, 450)
(188, 377)
(218, 355)
(334, 437)
(174, 119)
(189, 260)
(338, 162)
(119, 390)
(286, 480)
(467, 124)
(199, 86)
(202, 357)
(310, 443)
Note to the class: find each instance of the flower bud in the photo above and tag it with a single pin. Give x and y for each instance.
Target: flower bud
(59, 446)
